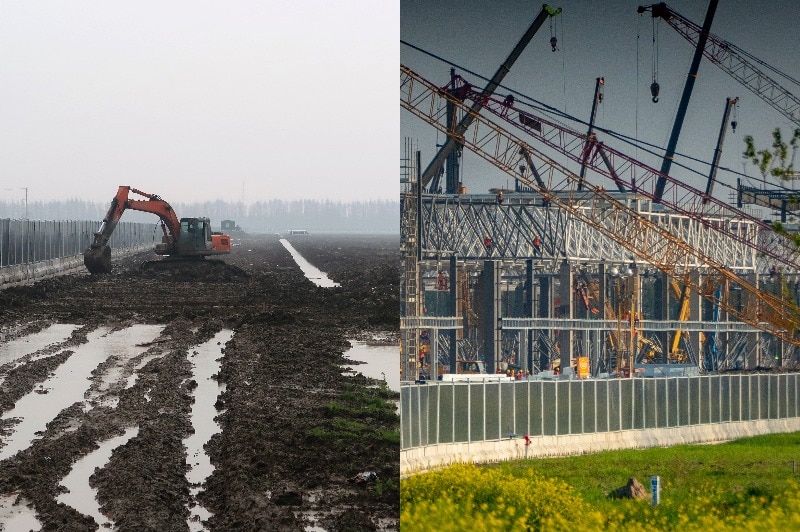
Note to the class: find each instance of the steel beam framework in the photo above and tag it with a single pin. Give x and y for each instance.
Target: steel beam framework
(461, 224)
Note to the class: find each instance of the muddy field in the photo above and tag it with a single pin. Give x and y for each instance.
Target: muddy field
(295, 431)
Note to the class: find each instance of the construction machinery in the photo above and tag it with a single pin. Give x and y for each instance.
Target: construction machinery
(187, 238)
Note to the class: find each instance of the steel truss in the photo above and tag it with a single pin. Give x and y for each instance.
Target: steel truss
(460, 225)
(630, 175)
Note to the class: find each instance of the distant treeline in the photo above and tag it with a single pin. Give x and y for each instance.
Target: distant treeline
(274, 216)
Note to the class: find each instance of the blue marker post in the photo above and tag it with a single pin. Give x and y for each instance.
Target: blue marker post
(655, 489)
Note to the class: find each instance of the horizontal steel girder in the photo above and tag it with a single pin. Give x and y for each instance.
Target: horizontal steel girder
(642, 325)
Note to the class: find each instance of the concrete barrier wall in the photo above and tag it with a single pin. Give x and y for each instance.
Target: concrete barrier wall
(443, 423)
(32, 250)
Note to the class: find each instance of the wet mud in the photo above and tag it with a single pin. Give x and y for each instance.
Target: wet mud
(295, 431)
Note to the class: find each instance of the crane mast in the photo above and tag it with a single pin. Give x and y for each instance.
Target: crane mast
(595, 207)
(712, 174)
(436, 164)
(733, 61)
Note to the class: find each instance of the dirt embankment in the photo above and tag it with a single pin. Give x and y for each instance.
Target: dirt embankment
(295, 431)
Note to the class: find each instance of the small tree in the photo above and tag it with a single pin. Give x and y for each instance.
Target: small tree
(775, 162)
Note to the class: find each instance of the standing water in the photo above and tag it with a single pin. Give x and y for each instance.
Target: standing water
(80, 495)
(381, 362)
(70, 381)
(311, 272)
(20, 347)
(204, 366)
(16, 515)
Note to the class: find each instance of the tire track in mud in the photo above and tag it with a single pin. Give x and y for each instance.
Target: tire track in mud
(294, 429)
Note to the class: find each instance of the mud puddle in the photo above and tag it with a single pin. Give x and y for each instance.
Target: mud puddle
(204, 366)
(81, 496)
(312, 273)
(15, 515)
(13, 350)
(381, 362)
(70, 381)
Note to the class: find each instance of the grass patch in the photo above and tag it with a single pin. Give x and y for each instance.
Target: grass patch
(749, 484)
(359, 413)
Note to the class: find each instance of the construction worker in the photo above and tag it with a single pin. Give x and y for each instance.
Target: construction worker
(441, 282)
(500, 197)
(537, 244)
(487, 242)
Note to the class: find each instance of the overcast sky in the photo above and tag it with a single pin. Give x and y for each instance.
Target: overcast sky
(199, 100)
(604, 38)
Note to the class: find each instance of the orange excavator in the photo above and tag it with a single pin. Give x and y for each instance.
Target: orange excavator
(184, 238)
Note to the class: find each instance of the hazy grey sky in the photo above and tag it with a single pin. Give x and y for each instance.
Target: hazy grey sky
(199, 100)
(609, 39)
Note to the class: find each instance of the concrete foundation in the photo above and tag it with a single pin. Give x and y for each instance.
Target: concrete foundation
(422, 459)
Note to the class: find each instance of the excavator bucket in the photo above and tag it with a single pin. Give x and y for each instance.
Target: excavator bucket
(97, 259)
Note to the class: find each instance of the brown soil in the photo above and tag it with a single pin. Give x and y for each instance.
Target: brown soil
(295, 431)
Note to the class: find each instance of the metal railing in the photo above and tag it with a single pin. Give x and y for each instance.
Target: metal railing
(454, 412)
(29, 241)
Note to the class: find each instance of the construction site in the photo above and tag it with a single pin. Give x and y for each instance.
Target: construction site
(590, 262)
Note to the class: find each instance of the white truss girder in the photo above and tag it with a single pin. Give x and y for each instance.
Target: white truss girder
(459, 224)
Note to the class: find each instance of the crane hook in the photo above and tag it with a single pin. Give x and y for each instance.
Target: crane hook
(654, 89)
(553, 43)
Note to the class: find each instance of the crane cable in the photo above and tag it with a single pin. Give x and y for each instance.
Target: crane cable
(636, 109)
(654, 87)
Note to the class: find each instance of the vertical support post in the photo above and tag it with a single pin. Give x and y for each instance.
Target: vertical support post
(566, 290)
(636, 311)
(453, 333)
(543, 311)
(695, 302)
(755, 337)
(661, 309)
(707, 316)
(601, 301)
(528, 311)
(491, 315)
(433, 371)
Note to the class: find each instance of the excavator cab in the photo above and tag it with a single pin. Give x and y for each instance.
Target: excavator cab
(194, 237)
